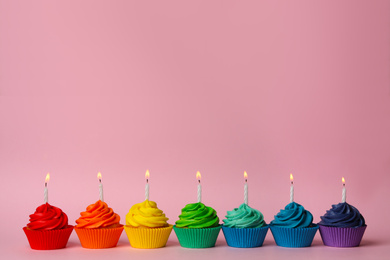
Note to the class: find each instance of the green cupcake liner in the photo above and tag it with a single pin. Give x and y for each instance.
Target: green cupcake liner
(197, 237)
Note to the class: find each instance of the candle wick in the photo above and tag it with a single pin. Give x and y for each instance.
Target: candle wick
(246, 180)
(147, 180)
(343, 184)
(198, 181)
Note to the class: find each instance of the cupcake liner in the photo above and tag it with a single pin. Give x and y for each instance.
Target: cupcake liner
(342, 237)
(245, 237)
(99, 237)
(197, 237)
(294, 237)
(48, 239)
(148, 237)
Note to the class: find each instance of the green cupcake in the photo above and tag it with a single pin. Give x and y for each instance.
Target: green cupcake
(198, 226)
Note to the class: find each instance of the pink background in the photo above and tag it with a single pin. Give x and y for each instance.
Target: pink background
(269, 87)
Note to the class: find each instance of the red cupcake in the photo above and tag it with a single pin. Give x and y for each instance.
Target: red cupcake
(48, 228)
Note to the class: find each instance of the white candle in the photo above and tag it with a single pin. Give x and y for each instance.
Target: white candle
(147, 174)
(291, 188)
(246, 188)
(344, 193)
(199, 187)
(100, 186)
(45, 194)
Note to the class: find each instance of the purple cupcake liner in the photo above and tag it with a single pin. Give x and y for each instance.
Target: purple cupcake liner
(342, 237)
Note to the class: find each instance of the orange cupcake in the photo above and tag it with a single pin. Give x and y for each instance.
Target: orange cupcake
(98, 226)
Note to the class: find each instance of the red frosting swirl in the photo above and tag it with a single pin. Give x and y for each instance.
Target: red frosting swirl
(98, 215)
(48, 217)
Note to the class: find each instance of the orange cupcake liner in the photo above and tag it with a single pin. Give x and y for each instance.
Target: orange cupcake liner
(48, 239)
(96, 238)
(148, 237)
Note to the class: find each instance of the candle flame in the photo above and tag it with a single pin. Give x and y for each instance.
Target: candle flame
(147, 174)
(291, 177)
(99, 176)
(198, 176)
(343, 180)
(47, 178)
(245, 175)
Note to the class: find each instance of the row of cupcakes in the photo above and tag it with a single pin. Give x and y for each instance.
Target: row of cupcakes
(198, 225)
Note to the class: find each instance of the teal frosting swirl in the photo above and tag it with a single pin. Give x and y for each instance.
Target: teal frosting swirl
(244, 217)
(293, 215)
(197, 215)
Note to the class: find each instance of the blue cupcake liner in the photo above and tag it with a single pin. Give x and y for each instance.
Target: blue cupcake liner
(294, 237)
(245, 237)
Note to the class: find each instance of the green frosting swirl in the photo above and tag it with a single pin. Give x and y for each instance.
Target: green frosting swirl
(197, 215)
(244, 217)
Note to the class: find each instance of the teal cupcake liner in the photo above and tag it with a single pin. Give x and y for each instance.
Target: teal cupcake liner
(197, 237)
(245, 237)
(294, 237)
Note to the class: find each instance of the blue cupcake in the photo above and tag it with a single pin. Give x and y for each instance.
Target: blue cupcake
(244, 227)
(293, 226)
(342, 226)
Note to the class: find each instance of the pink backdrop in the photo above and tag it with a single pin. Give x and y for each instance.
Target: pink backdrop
(269, 87)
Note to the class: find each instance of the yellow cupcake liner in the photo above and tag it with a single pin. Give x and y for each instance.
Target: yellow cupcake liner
(147, 238)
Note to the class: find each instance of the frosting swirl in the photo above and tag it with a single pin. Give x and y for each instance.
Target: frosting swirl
(98, 215)
(146, 214)
(244, 217)
(48, 217)
(342, 215)
(294, 215)
(197, 215)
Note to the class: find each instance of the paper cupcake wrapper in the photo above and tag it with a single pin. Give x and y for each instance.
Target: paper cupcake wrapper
(245, 237)
(294, 237)
(48, 239)
(197, 237)
(342, 237)
(96, 238)
(148, 237)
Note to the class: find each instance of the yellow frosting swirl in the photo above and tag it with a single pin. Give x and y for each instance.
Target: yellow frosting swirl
(147, 215)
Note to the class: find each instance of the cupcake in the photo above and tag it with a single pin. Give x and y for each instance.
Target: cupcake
(342, 226)
(48, 228)
(244, 227)
(198, 226)
(293, 226)
(146, 226)
(98, 226)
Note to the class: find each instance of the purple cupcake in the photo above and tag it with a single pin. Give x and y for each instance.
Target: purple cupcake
(342, 226)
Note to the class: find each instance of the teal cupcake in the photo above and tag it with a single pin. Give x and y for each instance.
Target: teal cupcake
(198, 226)
(244, 227)
(293, 226)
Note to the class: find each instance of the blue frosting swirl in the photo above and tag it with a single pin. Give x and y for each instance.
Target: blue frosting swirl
(342, 215)
(293, 215)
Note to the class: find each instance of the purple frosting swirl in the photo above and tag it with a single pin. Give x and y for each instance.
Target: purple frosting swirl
(342, 215)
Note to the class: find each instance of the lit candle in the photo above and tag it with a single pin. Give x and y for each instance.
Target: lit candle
(344, 194)
(246, 188)
(199, 187)
(100, 186)
(291, 188)
(46, 198)
(147, 175)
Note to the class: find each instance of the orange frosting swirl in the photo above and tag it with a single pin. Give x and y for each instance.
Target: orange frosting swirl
(98, 215)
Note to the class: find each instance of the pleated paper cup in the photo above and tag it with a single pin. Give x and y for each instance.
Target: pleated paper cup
(197, 237)
(48, 239)
(96, 238)
(245, 237)
(148, 237)
(294, 237)
(342, 237)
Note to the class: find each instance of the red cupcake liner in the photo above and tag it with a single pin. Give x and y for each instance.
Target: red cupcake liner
(48, 239)
(342, 237)
(96, 238)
